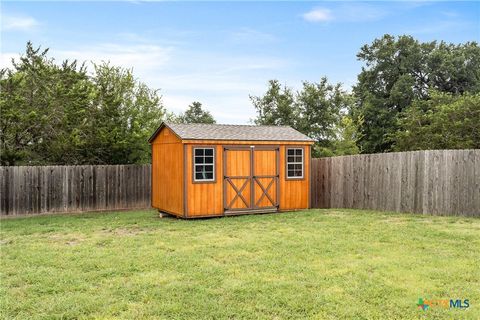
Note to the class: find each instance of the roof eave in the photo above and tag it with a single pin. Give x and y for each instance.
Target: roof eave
(187, 140)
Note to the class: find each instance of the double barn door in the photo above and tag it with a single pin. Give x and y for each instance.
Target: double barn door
(251, 178)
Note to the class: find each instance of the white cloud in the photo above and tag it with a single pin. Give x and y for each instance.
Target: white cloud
(318, 15)
(177, 103)
(16, 22)
(347, 12)
(141, 57)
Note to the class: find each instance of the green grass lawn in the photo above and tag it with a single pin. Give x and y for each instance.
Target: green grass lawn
(323, 264)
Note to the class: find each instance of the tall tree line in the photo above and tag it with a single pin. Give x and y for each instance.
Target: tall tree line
(62, 114)
(401, 72)
(409, 96)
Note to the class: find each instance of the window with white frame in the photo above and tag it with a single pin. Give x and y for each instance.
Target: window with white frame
(203, 164)
(294, 163)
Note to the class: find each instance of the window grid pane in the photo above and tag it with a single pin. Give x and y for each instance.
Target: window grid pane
(295, 163)
(208, 159)
(204, 164)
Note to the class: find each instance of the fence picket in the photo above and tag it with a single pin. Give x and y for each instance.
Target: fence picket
(439, 182)
(42, 189)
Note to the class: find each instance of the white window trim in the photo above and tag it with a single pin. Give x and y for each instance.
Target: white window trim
(203, 164)
(294, 163)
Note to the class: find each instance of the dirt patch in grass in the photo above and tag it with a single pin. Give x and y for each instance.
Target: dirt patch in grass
(5, 242)
(124, 232)
(67, 239)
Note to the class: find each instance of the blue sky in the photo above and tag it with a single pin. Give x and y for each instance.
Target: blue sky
(219, 53)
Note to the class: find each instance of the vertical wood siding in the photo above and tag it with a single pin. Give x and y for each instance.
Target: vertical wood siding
(167, 172)
(206, 198)
(44, 189)
(294, 193)
(439, 182)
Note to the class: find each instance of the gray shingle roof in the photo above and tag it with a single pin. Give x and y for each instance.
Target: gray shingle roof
(233, 132)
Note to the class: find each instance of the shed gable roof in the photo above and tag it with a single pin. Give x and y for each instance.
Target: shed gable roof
(233, 132)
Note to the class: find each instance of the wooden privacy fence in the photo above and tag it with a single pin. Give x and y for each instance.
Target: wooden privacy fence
(41, 189)
(443, 182)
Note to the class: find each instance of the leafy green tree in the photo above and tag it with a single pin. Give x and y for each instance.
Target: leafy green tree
(320, 106)
(400, 70)
(316, 110)
(20, 125)
(276, 106)
(445, 121)
(59, 114)
(194, 114)
(347, 138)
(126, 114)
(43, 108)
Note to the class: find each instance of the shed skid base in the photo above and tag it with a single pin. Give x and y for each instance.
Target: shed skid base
(253, 211)
(163, 214)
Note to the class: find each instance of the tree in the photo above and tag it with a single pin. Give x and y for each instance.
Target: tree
(59, 114)
(347, 137)
(316, 110)
(320, 107)
(194, 114)
(20, 125)
(445, 121)
(126, 114)
(276, 106)
(400, 70)
(43, 108)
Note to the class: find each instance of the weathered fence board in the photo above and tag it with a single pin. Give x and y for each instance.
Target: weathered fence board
(32, 190)
(439, 182)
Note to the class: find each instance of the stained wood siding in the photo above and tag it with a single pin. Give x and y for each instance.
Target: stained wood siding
(205, 198)
(440, 182)
(167, 172)
(48, 189)
(294, 194)
(238, 164)
(208, 199)
(265, 164)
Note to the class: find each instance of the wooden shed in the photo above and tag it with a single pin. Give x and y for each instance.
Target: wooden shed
(207, 170)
